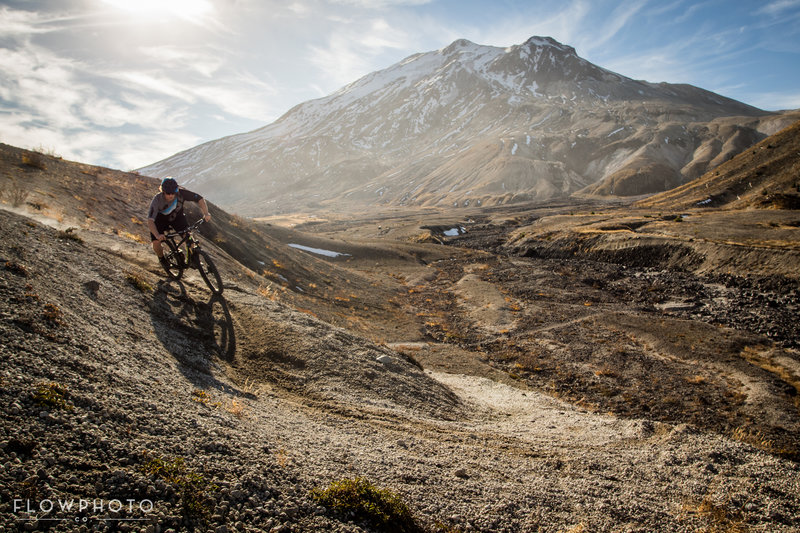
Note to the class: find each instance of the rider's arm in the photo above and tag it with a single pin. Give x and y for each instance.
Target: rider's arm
(155, 207)
(204, 206)
(152, 225)
(194, 197)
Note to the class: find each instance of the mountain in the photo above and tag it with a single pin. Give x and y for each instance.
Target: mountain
(475, 125)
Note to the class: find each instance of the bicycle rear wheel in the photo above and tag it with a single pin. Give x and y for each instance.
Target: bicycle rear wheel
(175, 262)
(209, 272)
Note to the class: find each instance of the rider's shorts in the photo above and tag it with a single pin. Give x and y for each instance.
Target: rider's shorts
(163, 223)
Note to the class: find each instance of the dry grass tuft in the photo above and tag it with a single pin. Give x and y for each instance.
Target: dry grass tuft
(34, 160)
(237, 408)
(52, 314)
(17, 268)
(69, 235)
(754, 438)
(138, 282)
(15, 194)
(719, 517)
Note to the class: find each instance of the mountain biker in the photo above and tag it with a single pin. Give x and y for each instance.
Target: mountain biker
(166, 210)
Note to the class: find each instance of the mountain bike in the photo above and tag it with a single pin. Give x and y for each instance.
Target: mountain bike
(184, 252)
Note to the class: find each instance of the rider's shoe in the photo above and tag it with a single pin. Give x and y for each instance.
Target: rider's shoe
(164, 262)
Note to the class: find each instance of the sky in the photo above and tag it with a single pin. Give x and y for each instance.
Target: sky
(126, 83)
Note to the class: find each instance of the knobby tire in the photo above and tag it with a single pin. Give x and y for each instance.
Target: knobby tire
(175, 258)
(209, 272)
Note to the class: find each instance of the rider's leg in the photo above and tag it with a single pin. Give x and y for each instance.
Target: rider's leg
(157, 248)
(162, 225)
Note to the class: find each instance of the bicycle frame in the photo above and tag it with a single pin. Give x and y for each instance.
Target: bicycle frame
(191, 243)
(194, 257)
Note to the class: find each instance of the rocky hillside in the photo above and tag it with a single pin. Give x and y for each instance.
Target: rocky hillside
(460, 389)
(767, 175)
(475, 125)
(741, 217)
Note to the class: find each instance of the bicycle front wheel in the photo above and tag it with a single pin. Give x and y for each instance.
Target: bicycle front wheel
(175, 262)
(209, 272)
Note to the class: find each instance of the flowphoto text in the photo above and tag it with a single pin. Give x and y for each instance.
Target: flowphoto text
(80, 509)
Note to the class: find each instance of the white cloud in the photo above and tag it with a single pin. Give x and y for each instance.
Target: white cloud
(299, 9)
(565, 22)
(88, 143)
(775, 101)
(618, 20)
(69, 105)
(778, 7)
(155, 83)
(89, 78)
(352, 49)
(195, 11)
(339, 61)
(42, 84)
(20, 23)
(240, 101)
(203, 63)
(654, 66)
(380, 4)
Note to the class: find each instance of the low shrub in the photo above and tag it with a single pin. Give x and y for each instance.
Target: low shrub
(34, 160)
(15, 194)
(70, 235)
(17, 268)
(52, 395)
(52, 314)
(192, 487)
(138, 282)
(361, 500)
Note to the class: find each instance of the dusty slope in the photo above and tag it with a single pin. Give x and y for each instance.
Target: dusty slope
(741, 218)
(68, 194)
(144, 377)
(665, 163)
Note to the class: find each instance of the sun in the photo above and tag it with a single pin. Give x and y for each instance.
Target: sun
(186, 9)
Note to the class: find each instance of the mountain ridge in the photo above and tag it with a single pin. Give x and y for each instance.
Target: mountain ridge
(474, 125)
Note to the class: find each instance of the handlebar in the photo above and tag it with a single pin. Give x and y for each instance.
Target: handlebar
(187, 230)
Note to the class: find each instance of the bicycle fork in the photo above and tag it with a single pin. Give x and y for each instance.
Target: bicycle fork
(190, 251)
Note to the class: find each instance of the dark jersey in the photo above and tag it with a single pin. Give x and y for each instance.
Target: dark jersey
(161, 208)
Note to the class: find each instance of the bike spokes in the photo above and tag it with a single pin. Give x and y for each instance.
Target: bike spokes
(174, 263)
(208, 271)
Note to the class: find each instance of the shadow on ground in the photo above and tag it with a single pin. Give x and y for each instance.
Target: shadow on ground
(195, 332)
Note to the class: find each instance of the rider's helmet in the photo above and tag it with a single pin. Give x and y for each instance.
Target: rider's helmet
(169, 185)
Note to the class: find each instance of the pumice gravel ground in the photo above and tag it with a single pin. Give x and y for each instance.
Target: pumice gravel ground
(255, 404)
(570, 367)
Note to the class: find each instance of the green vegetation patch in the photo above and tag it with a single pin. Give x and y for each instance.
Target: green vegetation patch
(192, 486)
(360, 500)
(138, 282)
(53, 395)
